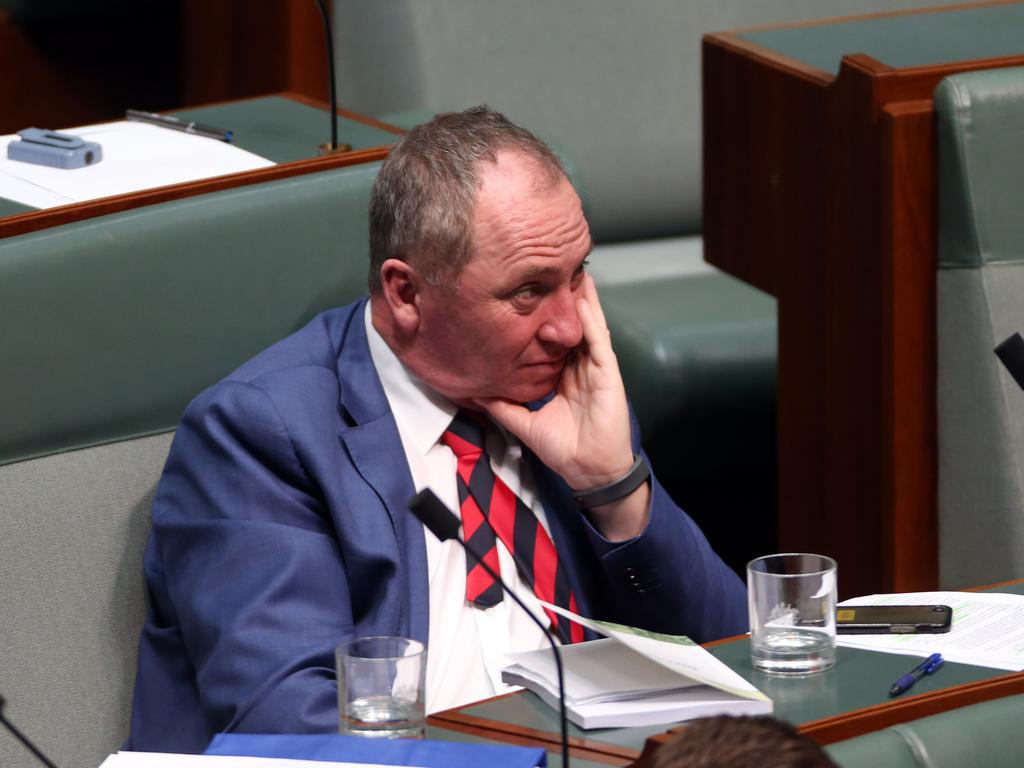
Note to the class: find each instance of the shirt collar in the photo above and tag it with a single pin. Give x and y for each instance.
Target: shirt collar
(421, 414)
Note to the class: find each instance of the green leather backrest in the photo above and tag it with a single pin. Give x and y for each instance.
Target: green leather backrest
(108, 327)
(981, 167)
(980, 302)
(988, 734)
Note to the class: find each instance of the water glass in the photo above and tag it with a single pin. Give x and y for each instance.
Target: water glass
(381, 687)
(792, 602)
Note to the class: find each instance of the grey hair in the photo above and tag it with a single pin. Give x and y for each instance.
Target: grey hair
(421, 209)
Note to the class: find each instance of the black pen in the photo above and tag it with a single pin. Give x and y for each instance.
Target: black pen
(926, 667)
(177, 124)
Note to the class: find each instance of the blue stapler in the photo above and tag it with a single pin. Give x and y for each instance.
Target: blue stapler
(57, 150)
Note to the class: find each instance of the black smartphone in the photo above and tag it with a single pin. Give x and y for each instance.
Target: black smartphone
(893, 619)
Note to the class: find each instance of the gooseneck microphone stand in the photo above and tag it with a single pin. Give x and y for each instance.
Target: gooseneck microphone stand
(329, 36)
(440, 520)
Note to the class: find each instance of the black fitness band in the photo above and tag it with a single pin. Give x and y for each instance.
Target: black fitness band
(618, 489)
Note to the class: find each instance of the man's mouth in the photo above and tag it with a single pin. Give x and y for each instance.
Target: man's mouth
(556, 362)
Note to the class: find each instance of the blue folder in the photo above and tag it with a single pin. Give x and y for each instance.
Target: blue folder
(353, 749)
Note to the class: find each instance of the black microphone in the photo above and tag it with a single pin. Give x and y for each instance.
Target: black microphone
(432, 512)
(329, 36)
(23, 738)
(1011, 352)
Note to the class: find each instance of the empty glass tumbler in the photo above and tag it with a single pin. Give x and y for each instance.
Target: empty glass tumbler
(792, 602)
(381, 687)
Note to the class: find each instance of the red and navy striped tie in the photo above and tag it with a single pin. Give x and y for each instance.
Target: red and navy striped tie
(489, 507)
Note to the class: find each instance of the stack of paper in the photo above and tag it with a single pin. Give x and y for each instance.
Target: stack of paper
(136, 156)
(987, 630)
(635, 678)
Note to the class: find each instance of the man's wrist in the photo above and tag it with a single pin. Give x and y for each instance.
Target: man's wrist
(617, 489)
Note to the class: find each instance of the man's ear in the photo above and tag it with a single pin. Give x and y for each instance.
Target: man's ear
(400, 285)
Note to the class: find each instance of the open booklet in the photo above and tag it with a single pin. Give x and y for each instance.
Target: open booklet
(633, 677)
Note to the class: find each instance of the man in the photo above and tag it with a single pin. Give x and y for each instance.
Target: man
(280, 526)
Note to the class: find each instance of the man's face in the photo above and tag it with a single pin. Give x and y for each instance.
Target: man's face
(508, 326)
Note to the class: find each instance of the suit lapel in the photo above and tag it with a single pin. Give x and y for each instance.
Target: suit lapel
(375, 448)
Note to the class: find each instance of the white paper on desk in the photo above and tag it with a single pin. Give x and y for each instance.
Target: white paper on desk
(677, 653)
(136, 156)
(987, 630)
(165, 760)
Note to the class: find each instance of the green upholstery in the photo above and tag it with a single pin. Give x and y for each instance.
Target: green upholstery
(697, 350)
(121, 320)
(110, 327)
(987, 734)
(283, 130)
(882, 748)
(980, 285)
(980, 121)
(916, 40)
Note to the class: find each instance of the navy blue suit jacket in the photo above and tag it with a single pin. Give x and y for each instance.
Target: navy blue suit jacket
(280, 528)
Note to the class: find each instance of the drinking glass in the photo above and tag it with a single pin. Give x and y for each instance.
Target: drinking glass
(792, 602)
(381, 687)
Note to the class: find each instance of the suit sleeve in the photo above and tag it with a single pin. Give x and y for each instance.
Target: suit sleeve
(250, 569)
(668, 579)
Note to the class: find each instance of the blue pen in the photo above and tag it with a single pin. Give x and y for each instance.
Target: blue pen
(926, 667)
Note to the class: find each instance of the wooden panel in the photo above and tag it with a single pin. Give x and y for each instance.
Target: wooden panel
(920, 83)
(762, 165)
(909, 224)
(237, 48)
(821, 191)
(70, 65)
(585, 749)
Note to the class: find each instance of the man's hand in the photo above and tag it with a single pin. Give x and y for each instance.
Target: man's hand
(583, 433)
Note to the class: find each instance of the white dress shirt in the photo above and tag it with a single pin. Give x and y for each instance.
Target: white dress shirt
(467, 644)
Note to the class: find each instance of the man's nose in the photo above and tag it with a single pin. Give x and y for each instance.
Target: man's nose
(562, 325)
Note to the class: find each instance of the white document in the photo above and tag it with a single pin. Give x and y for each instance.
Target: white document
(987, 629)
(166, 760)
(136, 156)
(635, 678)
(674, 652)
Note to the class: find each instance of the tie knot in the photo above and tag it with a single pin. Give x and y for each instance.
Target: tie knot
(465, 434)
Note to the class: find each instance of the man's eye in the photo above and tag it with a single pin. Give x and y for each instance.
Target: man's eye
(527, 292)
(577, 276)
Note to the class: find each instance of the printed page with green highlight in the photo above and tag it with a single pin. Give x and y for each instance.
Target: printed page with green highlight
(634, 677)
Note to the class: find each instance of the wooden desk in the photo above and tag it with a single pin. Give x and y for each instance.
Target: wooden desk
(286, 128)
(847, 701)
(819, 188)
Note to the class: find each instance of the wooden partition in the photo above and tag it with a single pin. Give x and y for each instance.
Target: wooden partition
(819, 188)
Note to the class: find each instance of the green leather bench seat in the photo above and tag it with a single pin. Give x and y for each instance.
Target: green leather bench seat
(987, 735)
(980, 302)
(112, 325)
